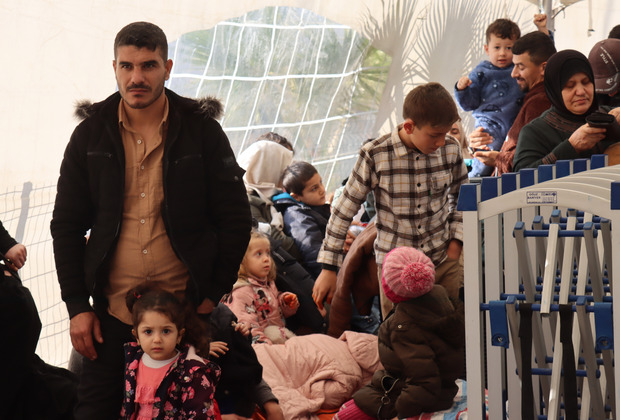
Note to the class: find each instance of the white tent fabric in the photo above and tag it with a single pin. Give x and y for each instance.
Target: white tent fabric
(56, 53)
(61, 51)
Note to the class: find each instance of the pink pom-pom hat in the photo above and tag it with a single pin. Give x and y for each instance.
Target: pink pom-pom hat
(407, 273)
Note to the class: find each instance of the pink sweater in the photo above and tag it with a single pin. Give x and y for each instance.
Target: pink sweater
(150, 374)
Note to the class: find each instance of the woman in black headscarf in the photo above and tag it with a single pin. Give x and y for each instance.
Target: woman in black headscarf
(561, 132)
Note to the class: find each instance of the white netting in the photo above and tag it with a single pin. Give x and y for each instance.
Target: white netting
(290, 71)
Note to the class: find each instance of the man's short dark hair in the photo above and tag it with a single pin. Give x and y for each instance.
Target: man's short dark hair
(615, 32)
(430, 104)
(276, 138)
(142, 35)
(296, 175)
(537, 44)
(504, 29)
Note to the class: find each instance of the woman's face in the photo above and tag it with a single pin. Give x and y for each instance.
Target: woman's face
(455, 131)
(578, 93)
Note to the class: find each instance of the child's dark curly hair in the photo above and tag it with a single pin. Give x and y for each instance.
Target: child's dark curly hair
(146, 297)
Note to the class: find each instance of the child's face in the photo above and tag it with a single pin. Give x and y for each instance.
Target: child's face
(426, 138)
(313, 193)
(257, 260)
(499, 51)
(158, 335)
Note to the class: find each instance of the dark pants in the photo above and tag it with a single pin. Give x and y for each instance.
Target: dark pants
(100, 391)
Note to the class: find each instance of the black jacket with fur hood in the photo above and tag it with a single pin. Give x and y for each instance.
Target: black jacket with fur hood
(205, 207)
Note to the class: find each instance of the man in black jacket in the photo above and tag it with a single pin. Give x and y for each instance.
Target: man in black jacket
(151, 178)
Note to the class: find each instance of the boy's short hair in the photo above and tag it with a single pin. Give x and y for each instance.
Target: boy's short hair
(142, 35)
(538, 44)
(276, 138)
(504, 29)
(296, 175)
(430, 104)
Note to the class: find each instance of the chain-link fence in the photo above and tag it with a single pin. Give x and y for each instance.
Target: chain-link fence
(26, 213)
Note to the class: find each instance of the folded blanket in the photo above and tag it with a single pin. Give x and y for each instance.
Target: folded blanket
(316, 371)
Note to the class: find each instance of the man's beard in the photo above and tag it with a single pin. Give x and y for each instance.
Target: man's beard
(141, 105)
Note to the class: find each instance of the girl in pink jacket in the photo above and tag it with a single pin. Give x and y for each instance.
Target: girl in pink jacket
(255, 299)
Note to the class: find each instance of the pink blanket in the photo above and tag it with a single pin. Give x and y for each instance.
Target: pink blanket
(317, 371)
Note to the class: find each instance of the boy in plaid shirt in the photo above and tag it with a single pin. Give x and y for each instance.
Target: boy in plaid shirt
(415, 173)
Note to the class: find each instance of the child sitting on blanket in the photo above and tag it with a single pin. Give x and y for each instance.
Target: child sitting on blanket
(255, 299)
(420, 344)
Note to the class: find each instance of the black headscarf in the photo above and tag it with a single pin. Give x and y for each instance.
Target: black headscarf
(561, 66)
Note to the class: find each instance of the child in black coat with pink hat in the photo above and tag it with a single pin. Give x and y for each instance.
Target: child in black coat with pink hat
(421, 344)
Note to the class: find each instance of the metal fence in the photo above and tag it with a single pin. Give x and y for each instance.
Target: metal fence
(26, 213)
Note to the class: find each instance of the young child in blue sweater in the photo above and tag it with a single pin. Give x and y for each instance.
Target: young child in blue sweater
(490, 91)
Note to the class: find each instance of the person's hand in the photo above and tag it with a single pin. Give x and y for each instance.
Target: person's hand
(217, 348)
(206, 307)
(273, 411)
(324, 288)
(463, 83)
(348, 241)
(82, 328)
(290, 299)
(616, 113)
(487, 157)
(454, 249)
(329, 198)
(350, 237)
(479, 139)
(242, 328)
(540, 20)
(16, 255)
(586, 137)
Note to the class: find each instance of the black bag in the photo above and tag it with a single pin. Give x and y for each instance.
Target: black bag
(31, 389)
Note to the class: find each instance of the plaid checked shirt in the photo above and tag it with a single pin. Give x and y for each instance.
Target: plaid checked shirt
(415, 197)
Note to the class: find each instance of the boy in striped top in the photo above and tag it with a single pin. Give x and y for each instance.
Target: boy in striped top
(415, 173)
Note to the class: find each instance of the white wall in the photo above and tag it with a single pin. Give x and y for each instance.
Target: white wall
(573, 23)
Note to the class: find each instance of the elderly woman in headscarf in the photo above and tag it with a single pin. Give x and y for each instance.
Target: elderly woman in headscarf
(562, 132)
(264, 162)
